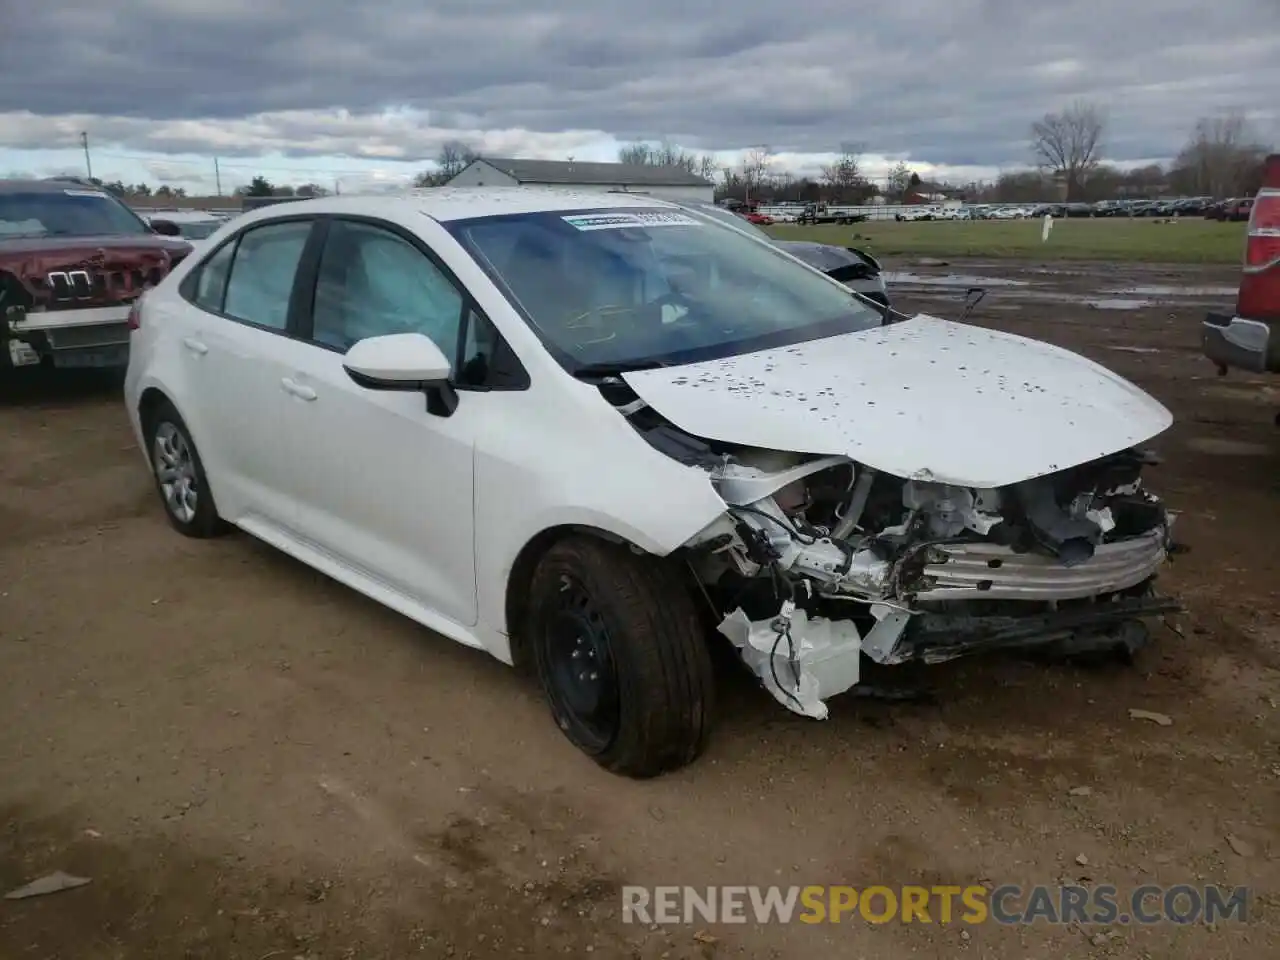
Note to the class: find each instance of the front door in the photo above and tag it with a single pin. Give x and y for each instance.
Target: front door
(379, 482)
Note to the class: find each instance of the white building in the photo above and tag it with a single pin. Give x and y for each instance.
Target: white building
(675, 183)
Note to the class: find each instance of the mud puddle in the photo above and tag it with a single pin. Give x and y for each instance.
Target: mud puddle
(958, 280)
(1111, 303)
(1170, 291)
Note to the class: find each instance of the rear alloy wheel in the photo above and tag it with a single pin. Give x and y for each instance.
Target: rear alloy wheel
(621, 656)
(179, 475)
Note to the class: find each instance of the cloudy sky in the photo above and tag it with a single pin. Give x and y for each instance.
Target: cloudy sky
(325, 90)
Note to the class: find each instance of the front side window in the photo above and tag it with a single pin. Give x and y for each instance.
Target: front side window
(633, 286)
(262, 273)
(69, 212)
(373, 282)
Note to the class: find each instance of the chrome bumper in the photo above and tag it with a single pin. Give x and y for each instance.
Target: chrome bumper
(983, 571)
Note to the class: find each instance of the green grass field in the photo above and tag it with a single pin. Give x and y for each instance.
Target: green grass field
(1192, 240)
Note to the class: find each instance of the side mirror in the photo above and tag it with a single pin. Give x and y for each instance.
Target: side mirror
(397, 361)
(166, 228)
(404, 361)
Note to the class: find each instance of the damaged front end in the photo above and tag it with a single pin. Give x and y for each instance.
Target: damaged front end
(819, 560)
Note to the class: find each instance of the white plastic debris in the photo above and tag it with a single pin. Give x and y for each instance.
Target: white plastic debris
(53, 883)
(1161, 718)
(824, 653)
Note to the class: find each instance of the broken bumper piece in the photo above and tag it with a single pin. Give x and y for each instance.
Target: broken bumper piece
(803, 661)
(800, 661)
(988, 571)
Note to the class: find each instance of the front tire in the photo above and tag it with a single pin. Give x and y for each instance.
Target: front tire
(179, 475)
(621, 656)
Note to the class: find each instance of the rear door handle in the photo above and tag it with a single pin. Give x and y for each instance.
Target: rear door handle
(194, 345)
(297, 389)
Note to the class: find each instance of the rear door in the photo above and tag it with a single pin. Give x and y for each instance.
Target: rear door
(236, 351)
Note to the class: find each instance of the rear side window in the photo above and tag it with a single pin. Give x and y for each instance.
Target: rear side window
(211, 282)
(262, 273)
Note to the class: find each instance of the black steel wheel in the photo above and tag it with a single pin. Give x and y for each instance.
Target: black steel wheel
(578, 671)
(621, 655)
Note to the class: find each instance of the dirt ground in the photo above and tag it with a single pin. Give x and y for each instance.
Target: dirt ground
(250, 761)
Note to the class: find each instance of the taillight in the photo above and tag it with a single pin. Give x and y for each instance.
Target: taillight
(1260, 286)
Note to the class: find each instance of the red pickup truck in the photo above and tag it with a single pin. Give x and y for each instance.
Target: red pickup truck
(1249, 337)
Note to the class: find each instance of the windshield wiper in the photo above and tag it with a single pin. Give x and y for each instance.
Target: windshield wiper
(616, 367)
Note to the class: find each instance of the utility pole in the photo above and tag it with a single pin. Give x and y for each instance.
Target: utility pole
(84, 142)
(217, 176)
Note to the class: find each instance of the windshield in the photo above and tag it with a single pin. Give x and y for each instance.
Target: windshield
(632, 287)
(66, 213)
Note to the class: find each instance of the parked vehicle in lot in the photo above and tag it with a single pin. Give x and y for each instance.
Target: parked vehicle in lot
(72, 260)
(816, 213)
(1216, 210)
(579, 430)
(1248, 337)
(759, 219)
(856, 269)
(1239, 211)
(1191, 206)
(192, 224)
(1010, 213)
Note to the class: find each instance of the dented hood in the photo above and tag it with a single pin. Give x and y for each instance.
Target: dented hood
(925, 398)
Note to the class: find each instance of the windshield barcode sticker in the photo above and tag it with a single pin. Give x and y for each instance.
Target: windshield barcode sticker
(622, 221)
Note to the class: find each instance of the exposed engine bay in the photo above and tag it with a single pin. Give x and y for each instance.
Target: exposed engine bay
(819, 560)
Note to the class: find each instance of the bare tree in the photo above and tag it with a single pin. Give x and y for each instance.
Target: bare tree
(1220, 157)
(755, 168)
(636, 154)
(1068, 143)
(844, 177)
(707, 168)
(898, 182)
(454, 155)
(667, 154)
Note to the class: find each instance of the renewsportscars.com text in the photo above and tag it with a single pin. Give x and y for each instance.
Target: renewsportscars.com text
(1007, 904)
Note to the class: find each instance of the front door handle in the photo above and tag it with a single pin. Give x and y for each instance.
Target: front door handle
(195, 346)
(297, 389)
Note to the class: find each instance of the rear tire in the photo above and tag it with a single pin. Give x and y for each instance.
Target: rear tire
(621, 656)
(179, 475)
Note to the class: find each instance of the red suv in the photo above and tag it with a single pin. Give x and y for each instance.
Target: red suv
(1249, 338)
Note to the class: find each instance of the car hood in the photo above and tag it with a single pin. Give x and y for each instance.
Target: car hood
(58, 246)
(925, 398)
(826, 256)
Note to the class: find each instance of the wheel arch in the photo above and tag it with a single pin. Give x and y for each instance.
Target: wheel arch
(151, 400)
(515, 601)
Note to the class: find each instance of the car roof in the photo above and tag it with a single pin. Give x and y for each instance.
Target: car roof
(460, 203)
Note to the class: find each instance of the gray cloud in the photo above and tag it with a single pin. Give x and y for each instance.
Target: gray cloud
(954, 82)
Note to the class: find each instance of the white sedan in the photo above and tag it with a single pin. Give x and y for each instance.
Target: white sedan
(588, 431)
